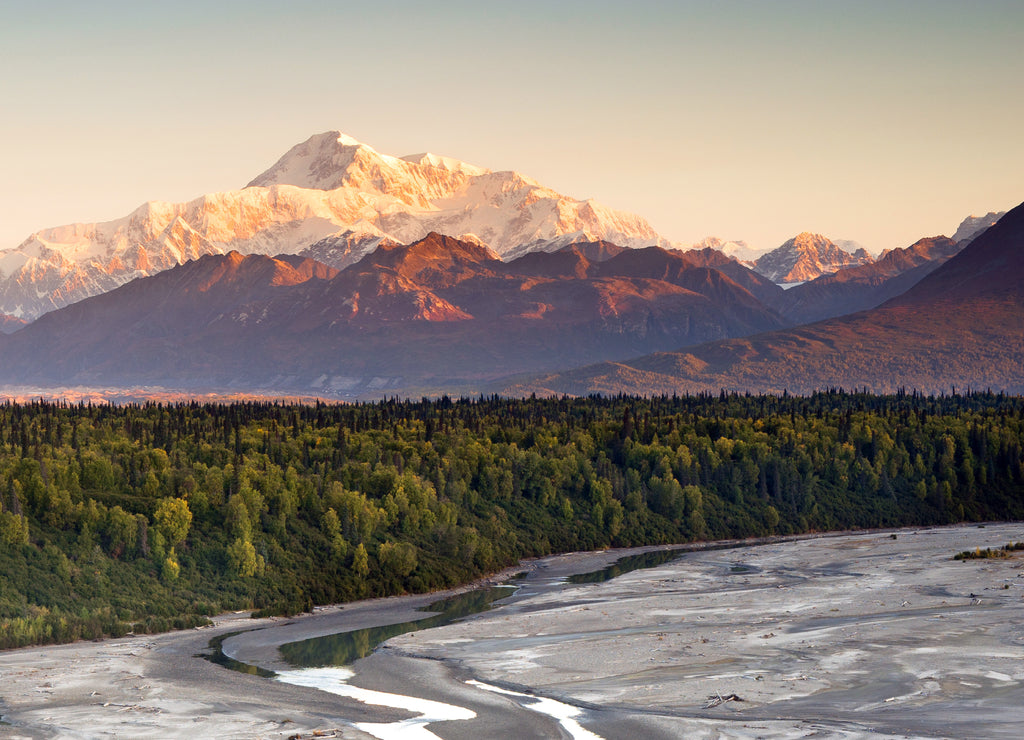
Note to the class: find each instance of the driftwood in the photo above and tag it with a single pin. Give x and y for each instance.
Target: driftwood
(716, 699)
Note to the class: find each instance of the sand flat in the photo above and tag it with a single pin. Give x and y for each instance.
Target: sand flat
(153, 686)
(861, 633)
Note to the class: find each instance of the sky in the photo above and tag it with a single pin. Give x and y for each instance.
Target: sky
(880, 122)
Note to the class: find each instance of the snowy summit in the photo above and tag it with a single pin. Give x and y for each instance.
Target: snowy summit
(331, 194)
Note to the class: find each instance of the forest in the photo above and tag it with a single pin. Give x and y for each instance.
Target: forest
(118, 519)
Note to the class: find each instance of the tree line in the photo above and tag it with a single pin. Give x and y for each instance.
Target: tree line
(150, 517)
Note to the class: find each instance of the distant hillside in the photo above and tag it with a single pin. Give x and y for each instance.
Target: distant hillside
(864, 286)
(439, 314)
(961, 326)
(766, 291)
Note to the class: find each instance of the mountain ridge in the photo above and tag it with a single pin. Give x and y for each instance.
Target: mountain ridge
(958, 327)
(376, 198)
(861, 287)
(336, 199)
(438, 313)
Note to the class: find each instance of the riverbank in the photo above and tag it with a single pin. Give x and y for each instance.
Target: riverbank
(861, 635)
(157, 686)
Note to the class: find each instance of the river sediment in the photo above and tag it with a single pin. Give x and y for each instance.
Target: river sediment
(861, 635)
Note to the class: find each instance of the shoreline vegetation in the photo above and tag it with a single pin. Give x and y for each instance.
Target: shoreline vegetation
(145, 518)
(1006, 551)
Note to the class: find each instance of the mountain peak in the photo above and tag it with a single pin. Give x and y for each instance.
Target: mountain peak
(426, 258)
(330, 194)
(806, 240)
(805, 257)
(321, 162)
(333, 159)
(344, 139)
(972, 226)
(236, 271)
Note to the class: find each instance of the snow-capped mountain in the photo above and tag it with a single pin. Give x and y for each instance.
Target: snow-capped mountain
(806, 257)
(851, 246)
(738, 250)
(330, 193)
(972, 226)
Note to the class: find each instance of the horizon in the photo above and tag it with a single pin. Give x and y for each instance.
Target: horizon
(898, 130)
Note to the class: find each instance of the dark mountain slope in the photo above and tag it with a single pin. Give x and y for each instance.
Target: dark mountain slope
(10, 324)
(570, 262)
(141, 325)
(761, 287)
(991, 265)
(598, 251)
(436, 261)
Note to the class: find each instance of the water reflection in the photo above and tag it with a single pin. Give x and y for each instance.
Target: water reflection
(218, 657)
(347, 647)
(629, 563)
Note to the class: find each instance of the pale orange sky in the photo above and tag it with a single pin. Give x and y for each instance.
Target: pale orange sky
(875, 121)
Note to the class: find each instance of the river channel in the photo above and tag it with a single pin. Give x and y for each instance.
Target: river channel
(865, 635)
(323, 662)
